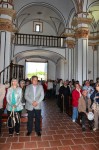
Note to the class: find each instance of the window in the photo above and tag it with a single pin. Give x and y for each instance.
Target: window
(37, 26)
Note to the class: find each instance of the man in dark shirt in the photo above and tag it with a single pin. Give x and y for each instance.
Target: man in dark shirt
(64, 93)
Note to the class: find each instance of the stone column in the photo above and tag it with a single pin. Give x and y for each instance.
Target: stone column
(70, 44)
(95, 62)
(98, 61)
(7, 15)
(81, 34)
(66, 66)
(60, 69)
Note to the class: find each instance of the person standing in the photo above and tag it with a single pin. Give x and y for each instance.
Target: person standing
(14, 101)
(76, 94)
(64, 93)
(84, 106)
(95, 106)
(34, 95)
(2, 94)
(89, 88)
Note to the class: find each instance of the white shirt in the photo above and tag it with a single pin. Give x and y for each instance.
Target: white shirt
(34, 91)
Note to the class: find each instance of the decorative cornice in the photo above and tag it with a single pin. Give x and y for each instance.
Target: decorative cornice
(72, 35)
(70, 43)
(93, 37)
(93, 44)
(79, 20)
(8, 2)
(81, 32)
(6, 25)
(8, 11)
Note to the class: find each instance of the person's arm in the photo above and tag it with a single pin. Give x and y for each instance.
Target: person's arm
(19, 97)
(27, 96)
(89, 105)
(8, 97)
(68, 91)
(92, 97)
(42, 95)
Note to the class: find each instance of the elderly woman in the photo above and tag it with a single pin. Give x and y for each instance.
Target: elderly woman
(84, 106)
(14, 101)
(95, 106)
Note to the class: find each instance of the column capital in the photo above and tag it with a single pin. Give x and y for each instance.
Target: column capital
(82, 32)
(93, 38)
(6, 25)
(70, 43)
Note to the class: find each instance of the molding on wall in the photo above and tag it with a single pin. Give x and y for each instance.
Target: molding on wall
(80, 20)
(8, 11)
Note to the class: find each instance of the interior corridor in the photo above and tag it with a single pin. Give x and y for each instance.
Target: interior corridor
(58, 133)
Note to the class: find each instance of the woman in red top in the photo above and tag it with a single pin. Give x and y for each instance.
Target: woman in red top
(76, 94)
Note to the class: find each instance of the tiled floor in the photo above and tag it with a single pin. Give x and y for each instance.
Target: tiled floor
(58, 133)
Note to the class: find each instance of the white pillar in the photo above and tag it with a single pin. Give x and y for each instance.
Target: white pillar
(6, 27)
(60, 69)
(66, 66)
(98, 61)
(95, 65)
(81, 23)
(90, 63)
(82, 60)
(74, 63)
(70, 63)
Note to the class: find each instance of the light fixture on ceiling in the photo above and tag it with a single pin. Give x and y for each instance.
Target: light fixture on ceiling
(39, 12)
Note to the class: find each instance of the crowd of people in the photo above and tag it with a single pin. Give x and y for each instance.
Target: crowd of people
(84, 101)
(70, 95)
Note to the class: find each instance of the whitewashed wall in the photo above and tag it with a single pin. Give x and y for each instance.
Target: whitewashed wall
(51, 70)
(28, 29)
(60, 69)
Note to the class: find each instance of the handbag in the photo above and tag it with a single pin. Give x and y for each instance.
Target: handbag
(13, 119)
(95, 105)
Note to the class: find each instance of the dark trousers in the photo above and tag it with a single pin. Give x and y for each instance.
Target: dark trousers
(17, 125)
(84, 117)
(49, 93)
(1, 112)
(34, 114)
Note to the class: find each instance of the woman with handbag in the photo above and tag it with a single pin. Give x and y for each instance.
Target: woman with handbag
(14, 103)
(95, 106)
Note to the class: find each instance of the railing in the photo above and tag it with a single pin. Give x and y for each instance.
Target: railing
(39, 40)
(12, 71)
